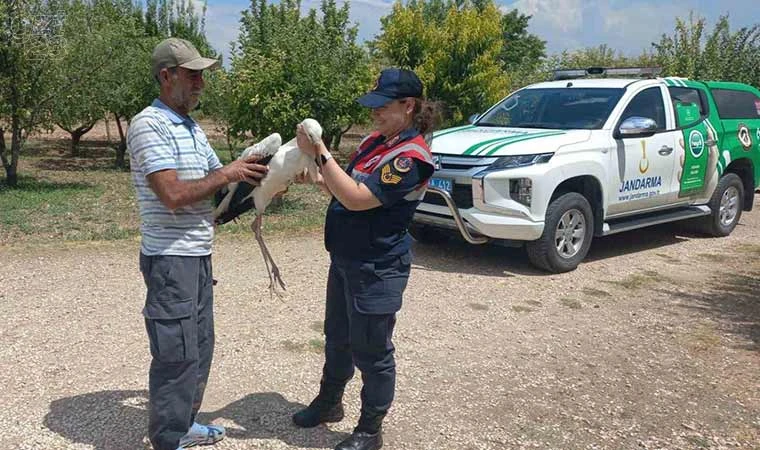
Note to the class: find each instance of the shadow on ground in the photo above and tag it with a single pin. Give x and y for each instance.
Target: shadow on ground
(456, 256)
(733, 300)
(117, 420)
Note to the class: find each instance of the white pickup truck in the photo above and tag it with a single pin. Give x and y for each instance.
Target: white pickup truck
(557, 163)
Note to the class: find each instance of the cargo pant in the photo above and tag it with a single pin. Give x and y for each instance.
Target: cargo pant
(360, 314)
(179, 319)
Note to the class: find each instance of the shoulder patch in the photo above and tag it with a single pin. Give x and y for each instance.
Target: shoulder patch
(387, 176)
(402, 164)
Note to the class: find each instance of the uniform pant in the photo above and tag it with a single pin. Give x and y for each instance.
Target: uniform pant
(179, 319)
(362, 301)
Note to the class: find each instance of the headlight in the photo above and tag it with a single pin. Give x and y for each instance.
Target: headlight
(510, 162)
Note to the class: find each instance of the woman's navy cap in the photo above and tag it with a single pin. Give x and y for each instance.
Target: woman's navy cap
(391, 85)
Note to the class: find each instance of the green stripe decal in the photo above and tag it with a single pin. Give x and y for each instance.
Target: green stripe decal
(481, 147)
(453, 130)
(523, 138)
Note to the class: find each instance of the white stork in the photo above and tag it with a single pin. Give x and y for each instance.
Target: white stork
(285, 163)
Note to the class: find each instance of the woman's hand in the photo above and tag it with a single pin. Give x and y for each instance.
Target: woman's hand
(304, 143)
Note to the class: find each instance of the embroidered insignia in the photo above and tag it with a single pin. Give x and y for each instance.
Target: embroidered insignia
(388, 177)
(402, 164)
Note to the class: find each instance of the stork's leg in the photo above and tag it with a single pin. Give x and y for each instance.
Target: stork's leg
(273, 271)
(256, 227)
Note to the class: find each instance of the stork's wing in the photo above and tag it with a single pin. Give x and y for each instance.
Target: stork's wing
(242, 200)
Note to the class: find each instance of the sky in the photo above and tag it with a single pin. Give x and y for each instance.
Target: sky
(629, 26)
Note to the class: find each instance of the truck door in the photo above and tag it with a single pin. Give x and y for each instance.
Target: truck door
(643, 166)
(698, 144)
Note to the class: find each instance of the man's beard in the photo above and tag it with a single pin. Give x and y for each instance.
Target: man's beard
(186, 100)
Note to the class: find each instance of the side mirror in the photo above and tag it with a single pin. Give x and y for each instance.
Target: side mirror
(473, 118)
(637, 127)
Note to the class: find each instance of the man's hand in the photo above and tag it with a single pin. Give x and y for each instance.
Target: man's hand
(246, 170)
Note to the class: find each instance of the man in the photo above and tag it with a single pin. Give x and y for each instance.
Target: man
(175, 172)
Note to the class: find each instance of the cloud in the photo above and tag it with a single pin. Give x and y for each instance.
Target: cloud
(563, 15)
(629, 26)
(223, 19)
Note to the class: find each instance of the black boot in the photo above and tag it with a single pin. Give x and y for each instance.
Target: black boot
(368, 434)
(326, 407)
(360, 440)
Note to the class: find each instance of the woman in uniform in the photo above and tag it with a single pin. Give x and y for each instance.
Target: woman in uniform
(373, 202)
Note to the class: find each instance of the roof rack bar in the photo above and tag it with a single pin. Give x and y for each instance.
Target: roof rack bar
(643, 72)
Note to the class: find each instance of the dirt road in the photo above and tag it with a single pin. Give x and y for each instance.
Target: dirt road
(654, 342)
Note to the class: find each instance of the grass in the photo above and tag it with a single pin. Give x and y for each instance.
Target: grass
(311, 346)
(571, 303)
(598, 293)
(62, 198)
(702, 338)
(640, 280)
(715, 257)
(478, 306)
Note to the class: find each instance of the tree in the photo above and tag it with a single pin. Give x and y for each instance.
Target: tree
(288, 67)
(217, 103)
(523, 52)
(721, 55)
(91, 34)
(29, 40)
(456, 53)
(681, 54)
(132, 86)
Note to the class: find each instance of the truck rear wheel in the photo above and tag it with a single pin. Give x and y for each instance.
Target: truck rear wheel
(568, 231)
(726, 206)
(427, 235)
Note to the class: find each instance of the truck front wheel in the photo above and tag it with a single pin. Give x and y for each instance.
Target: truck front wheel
(568, 231)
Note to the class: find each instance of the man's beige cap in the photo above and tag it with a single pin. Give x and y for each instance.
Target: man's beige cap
(175, 52)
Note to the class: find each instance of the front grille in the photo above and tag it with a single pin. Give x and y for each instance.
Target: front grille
(459, 169)
(462, 195)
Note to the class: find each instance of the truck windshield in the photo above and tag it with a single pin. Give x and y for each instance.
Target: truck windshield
(554, 108)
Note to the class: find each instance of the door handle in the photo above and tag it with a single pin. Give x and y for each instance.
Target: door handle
(665, 150)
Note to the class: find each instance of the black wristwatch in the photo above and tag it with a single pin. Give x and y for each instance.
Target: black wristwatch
(324, 158)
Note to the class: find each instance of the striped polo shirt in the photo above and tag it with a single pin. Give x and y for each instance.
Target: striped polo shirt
(160, 139)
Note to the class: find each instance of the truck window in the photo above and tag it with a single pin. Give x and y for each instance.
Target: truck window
(554, 108)
(736, 104)
(647, 103)
(689, 96)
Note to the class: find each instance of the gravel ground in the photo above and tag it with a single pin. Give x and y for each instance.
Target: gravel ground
(652, 343)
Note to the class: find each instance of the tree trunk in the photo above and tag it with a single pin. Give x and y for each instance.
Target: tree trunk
(76, 136)
(74, 145)
(11, 179)
(121, 149)
(4, 155)
(230, 147)
(108, 131)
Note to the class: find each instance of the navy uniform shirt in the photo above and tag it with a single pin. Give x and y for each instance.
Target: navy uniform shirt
(397, 173)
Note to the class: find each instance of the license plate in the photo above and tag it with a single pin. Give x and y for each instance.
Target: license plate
(442, 183)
